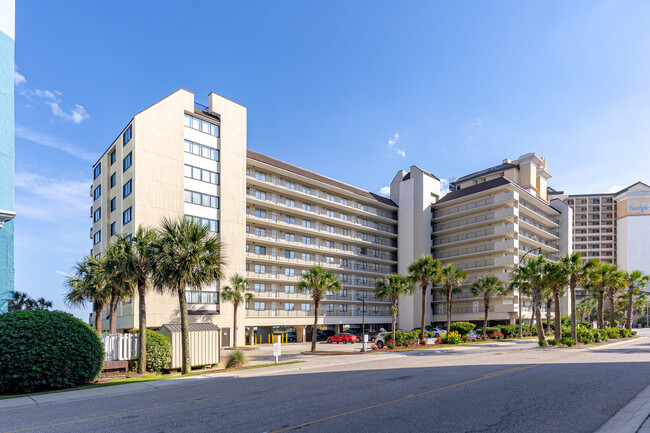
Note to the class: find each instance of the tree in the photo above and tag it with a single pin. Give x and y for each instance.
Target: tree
(394, 287)
(137, 262)
(21, 301)
(577, 272)
(424, 271)
(116, 280)
(556, 280)
(236, 293)
(615, 284)
(86, 284)
(451, 278)
(635, 281)
(600, 275)
(187, 256)
(488, 286)
(531, 276)
(43, 304)
(584, 308)
(318, 282)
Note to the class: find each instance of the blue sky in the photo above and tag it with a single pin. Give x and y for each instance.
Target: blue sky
(353, 90)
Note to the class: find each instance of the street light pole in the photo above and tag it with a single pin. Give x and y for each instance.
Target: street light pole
(521, 332)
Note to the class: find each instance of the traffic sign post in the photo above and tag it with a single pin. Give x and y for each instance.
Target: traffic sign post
(277, 351)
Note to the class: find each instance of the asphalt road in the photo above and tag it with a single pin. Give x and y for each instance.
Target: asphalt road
(498, 388)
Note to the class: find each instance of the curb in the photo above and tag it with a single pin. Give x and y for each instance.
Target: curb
(631, 417)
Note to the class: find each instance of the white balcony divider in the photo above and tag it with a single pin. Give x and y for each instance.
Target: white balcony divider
(120, 347)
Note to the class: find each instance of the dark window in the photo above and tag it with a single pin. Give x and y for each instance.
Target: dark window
(113, 204)
(126, 190)
(126, 216)
(97, 193)
(113, 229)
(97, 215)
(97, 238)
(127, 162)
(97, 171)
(113, 179)
(127, 136)
(113, 157)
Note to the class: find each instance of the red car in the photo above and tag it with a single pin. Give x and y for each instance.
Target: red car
(342, 338)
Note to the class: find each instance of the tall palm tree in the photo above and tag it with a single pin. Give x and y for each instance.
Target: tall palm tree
(317, 282)
(394, 287)
(137, 261)
(600, 276)
(451, 278)
(615, 285)
(236, 293)
(635, 281)
(21, 301)
(424, 271)
(531, 275)
(488, 286)
(117, 280)
(43, 304)
(556, 280)
(187, 256)
(86, 284)
(577, 271)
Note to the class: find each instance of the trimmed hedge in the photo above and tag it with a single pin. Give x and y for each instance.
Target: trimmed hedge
(463, 328)
(44, 350)
(159, 351)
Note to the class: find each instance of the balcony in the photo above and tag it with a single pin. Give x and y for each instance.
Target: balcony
(324, 314)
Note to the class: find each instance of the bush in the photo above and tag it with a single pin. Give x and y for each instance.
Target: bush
(509, 331)
(552, 342)
(237, 359)
(390, 344)
(401, 338)
(159, 351)
(625, 333)
(600, 335)
(452, 337)
(496, 336)
(613, 332)
(463, 328)
(415, 335)
(47, 350)
(633, 332)
(542, 343)
(567, 341)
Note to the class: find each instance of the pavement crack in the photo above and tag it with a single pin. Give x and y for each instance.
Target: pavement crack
(33, 400)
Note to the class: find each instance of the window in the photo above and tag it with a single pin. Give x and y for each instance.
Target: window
(126, 163)
(113, 179)
(330, 229)
(306, 207)
(127, 136)
(364, 294)
(344, 202)
(289, 272)
(344, 232)
(202, 297)
(343, 216)
(329, 307)
(329, 213)
(113, 230)
(306, 190)
(290, 203)
(97, 192)
(260, 176)
(260, 232)
(113, 204)
(289, 254)
(201, 150)
(289, 219)
(306, 257)
(290, 185)
(97, 214)
(113, 157)
(289, 289)
(260, 250)
(329, 197)
(344, 293)
(126, 189)
(329, 260)
(305, 307)
(201, 125)
(306, 224)
(201, 199)
(343, 308)
(288, 306)
(212, 225)
(127, 215)
(260, 195)
(329, 244)
(260, 213)
(306, 240)
(248, 248)
(260, 287)
(97, 171)
(203, 175)
(260, 269)
(289, 237)
(260, 306)
(97, 237)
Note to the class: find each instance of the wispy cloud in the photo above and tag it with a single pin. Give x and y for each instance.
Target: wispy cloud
(47, 94)
(29, 134)
(19, 79)
(385, 191)
(77, 115)
(42, 198)
(615, 188)
(392, 145)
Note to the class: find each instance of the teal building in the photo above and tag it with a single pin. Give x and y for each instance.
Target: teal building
(7, 152)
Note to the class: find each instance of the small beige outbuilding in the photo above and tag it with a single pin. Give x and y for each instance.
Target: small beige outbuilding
(204, 343)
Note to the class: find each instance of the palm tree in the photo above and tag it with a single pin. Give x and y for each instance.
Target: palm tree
(187, 256)
(615, 284)
(556, 280)
(488, 286)
(21, 301)
(43, 304)
(117, 281)
(424, 271)
(599, 278)
(584, 308)
(236, 293)
(577, 272)
(392, 289)
(451, 277)
(635, 281)
(318, 282)
(531, 276)
(86, 284)
(137, 263)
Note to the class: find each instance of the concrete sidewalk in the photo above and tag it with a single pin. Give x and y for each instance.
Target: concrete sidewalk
(634, 417)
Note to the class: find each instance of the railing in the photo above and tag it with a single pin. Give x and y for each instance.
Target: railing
(536, 238)
(462, 236)
(548, 216)
(463, 207)
(353, 312)
(464, 222)
(463, 251)
(120, 347)
(539, 226)
(476, 264)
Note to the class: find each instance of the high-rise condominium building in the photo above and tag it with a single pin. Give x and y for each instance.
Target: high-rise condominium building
(178, 159)
(7, 152)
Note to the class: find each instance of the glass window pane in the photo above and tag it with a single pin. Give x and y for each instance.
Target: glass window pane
(196, 198)
(196, 149)
(196, 173)
(205, 200)
(188, 120)
(188, 146)
(205, 152)
(196, 123)
(188, 171)
(188, 196)
(205, 176)
(205, 127)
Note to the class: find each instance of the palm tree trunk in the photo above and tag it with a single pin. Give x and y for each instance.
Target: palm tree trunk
(98, 308)
(532, 318)
(185, 332)
(142, 344)
(601, 319)
(113, 318)
(558, 317)
(630, 302)
(612, 312)
(394, 320)
(548, 315)
(486, 303)
(313, 330)
(574, 328)
(540, 331)
(234, 324)
(537, 302)
(448, 310)
(424, 310)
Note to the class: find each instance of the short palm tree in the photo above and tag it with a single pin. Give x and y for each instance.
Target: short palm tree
(236, 293)
(86, 284)
(394, 287)
(21, 301)
(187, 256)
(635, 281)
(616, 284)
(583, 309)
(117, 280)
(556, 280)
(451, 278)
(424, 271)
(600, 276)
(137, 261)
(318, 282)
(531, 276)
(577, 272)
(486, 287)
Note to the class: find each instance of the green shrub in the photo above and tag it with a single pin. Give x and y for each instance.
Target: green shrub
(237, 359)
(613, 332)
(159, 352)
(552, 342)
(542, 343)
(584, 340)
(633, 332)
(566, 331)
(625, 333)
(567, 341)
(401, 338)
(586, 324)
(452, 337)
(509, 331)
(47, 350)
(415, 335)
(600, 335)
(390, 344)
(463, 328)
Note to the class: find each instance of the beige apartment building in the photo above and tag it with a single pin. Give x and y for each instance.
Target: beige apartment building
(180, 159)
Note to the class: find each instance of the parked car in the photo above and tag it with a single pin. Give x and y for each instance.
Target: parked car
(324, 335)
(291, 337)
(437, 332)
(379, 339)
(342, 338)
(352, 331)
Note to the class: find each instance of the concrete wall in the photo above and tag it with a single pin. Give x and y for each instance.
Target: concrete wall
(633, 229)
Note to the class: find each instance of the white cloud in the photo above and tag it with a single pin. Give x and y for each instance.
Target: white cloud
(444, 187)
(385, 191)
(65, 274)
(50, 199)
(53, 142)
(615, 188)
(391, 145)
(77, 115)
(46, 94)
(19, 79)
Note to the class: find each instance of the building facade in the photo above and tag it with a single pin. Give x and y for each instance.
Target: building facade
(7, 152)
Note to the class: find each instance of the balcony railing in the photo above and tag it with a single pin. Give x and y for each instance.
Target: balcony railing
(461, 237)
(322, 313)
(463, 222)
(463, 251)
(539, 226)
(463, 207)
